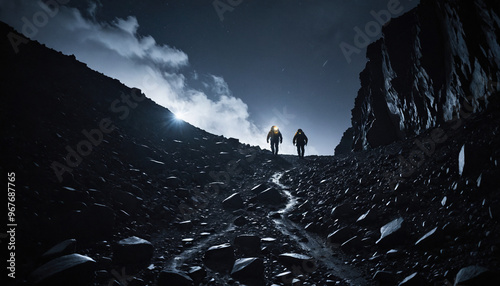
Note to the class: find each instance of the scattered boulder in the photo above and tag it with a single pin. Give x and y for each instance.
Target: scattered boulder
(270, 196)
(476, 275)
(185, 225)
(414, 279)
(240, 221)
(71, 269)
(352, 244)
(430, 239)
(384, 278)
(315, 227)
(285, 277)
(259, 188)
(62, 248)
(342, 211)
(197, 273)
(248, 244)
(340, 235)
(128, 201)
(233, 202)
(367, 218)
(219, 257)
(174, 278)
(173, 182)
(293, 260)
(133, 250)
(248, 269)
(305, 206)
(392, 233)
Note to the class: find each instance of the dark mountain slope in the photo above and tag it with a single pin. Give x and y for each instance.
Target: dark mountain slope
(98, 161)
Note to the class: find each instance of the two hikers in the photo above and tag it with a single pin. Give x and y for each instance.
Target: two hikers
(300, 140)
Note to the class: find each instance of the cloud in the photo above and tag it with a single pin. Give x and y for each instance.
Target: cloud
(116, 49)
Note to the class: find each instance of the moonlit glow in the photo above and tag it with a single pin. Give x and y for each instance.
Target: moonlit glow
(179, 116)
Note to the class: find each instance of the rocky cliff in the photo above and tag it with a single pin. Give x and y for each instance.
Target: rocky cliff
(432, 65)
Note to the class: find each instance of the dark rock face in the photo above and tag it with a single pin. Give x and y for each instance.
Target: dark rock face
(436, 63)
(345, 145)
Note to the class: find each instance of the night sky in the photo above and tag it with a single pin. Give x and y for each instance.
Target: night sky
(231, 67)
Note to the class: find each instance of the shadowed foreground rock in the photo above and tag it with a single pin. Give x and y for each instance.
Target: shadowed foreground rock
(133, 250)
(174, 278)
(219, 257)
(72, 269)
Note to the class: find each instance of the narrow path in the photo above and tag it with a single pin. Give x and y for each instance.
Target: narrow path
(311, 244)
(314, 246)
(196, 249)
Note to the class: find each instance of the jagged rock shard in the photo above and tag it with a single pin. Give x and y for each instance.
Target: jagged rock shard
(342, 211)
(174, 278)
(248, 268)
(133, 250)
(367, 218)
(390, 231)
(413, 280)
(173, 182)
(475, 275)
(248, 244)
(461, 160)
(291, 260)
(384, 277)
(340, 235)
(270, 196)
(428, 238)
(233, 202)
(72, 269)
(219, 257)
(63, 248)
(259, 188)
(197, 273)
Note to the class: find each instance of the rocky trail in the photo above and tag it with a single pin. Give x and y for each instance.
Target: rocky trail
(286, 252)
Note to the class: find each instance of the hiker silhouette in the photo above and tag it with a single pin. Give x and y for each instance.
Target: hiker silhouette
(276, 138)
(300, 140)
